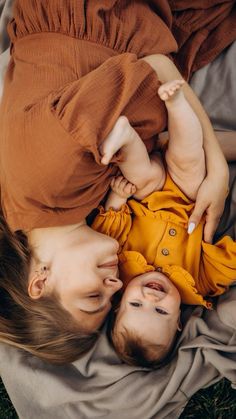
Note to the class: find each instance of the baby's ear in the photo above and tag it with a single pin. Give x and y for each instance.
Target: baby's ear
(179, 324)
(37, 284)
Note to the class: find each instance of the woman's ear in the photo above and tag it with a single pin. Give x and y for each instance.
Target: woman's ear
(37, 284)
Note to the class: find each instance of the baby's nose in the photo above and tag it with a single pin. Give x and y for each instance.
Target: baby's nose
(153, 296)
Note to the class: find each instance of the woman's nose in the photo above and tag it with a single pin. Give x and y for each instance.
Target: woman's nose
(113, 283)
(115, 244)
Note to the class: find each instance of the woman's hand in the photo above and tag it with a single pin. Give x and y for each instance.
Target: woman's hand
(210, 200)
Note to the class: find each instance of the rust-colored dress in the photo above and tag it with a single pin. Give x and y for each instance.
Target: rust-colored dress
(75, 68)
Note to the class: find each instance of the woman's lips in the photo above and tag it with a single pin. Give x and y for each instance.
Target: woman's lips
(155, 286)
(111, 264)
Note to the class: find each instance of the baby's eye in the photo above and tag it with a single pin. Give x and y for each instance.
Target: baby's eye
(160, 311)
(135, 304)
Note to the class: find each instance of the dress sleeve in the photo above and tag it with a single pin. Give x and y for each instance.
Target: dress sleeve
(60, 133)
(116, 224)
(218, 266)
(123, 85)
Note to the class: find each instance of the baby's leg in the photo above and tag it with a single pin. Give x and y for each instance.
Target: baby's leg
(136, 166)
(185, 154)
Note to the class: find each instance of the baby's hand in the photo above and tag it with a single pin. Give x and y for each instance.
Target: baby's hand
(122, 187)
(121, 190)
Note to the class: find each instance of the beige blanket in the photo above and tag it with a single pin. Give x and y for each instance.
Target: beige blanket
(99, 385)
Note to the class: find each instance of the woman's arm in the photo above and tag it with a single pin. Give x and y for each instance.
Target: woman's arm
(212, 192)
(227, 141)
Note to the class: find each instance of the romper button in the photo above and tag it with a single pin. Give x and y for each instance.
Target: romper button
(165, 252)
(159, 269)
(172, 232)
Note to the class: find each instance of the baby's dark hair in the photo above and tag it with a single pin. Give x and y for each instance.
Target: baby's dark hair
(133, 350)
(42, 327)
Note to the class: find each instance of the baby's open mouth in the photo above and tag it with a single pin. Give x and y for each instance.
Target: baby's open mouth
(155, 286)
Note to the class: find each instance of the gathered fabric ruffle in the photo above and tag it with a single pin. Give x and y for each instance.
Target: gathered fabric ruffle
(133, 264)
(117, 24)
(116, 224)
(169, 205)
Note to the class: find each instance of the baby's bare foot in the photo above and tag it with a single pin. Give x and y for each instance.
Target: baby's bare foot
(121, 134)
(170, 89)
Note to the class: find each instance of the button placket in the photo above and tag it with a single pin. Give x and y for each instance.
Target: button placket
(172, 232)
(165, 251)
(167, 245)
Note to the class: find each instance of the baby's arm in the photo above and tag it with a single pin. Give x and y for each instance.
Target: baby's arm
(185, 154)
(135, 164)
(114, 220)
(212, 192)
(121, 190)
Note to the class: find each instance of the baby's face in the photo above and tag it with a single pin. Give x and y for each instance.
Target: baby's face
(150, 309)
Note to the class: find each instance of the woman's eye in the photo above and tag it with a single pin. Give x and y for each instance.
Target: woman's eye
(135, 304)
(94, 296)
(160, 311)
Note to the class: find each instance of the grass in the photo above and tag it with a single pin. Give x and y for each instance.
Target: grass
(6, 409)
(215, 402)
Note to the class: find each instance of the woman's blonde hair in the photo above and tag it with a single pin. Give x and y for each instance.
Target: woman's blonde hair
(42, 327)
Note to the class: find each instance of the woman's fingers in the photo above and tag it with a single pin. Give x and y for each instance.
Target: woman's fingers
(210, 201)
(210, 227)
(197, 214)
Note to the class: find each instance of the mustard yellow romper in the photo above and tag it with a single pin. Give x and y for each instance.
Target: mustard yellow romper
(153, 236)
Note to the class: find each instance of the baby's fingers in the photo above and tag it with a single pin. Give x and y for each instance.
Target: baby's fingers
(130, 189)
(113, 181)
(117, 182)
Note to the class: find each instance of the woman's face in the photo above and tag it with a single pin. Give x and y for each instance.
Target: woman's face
(83, 270)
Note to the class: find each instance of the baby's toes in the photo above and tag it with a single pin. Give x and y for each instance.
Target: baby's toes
(164, 95)
(172, 92)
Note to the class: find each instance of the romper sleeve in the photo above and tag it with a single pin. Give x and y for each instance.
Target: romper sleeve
(116, 224)
(217, 267)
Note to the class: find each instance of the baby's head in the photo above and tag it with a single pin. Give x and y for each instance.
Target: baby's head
(147, 320)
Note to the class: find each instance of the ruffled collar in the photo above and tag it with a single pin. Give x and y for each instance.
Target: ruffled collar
(132, 264)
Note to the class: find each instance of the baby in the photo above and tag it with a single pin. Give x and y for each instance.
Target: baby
(163, 260)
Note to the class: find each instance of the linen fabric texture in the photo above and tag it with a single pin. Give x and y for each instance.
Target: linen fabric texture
(75, 68)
